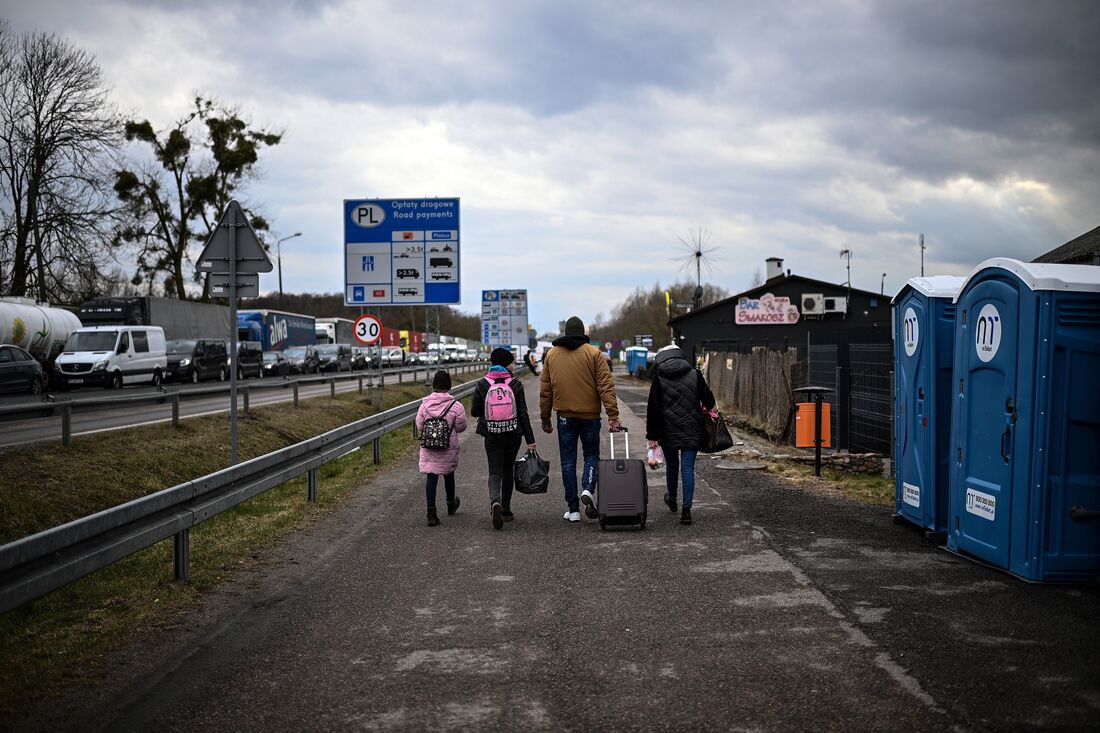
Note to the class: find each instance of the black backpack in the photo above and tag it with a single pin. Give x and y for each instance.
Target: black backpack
(436, 433)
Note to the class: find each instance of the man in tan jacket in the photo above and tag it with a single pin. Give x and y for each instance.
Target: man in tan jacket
(575, 383)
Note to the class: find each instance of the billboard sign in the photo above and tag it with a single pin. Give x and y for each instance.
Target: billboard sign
(767, 310)
(401, 252)
(504, 317)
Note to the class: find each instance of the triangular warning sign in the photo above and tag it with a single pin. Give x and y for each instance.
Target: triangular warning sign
(250, 254)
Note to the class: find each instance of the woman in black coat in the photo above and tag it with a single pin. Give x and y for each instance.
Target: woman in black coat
(675, 421)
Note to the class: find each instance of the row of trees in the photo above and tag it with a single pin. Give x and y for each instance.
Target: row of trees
(645, 312)
(83, 189)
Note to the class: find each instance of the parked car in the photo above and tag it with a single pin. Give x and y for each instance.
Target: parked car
(303, 359)
(335, 357)
(19, 371)
(392, 356)
(190, 360)
(358, 357)
(250, 359)
(111, 356)
(276, 364)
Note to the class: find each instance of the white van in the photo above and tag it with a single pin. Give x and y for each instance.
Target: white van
(111, 356)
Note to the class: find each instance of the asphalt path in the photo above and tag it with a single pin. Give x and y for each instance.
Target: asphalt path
(782, 608)
(23, 429)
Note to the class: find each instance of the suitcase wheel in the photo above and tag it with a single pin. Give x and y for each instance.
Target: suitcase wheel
(603, 523)
(642, 525)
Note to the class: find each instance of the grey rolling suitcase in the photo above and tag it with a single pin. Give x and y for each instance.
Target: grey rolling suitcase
(622, 491)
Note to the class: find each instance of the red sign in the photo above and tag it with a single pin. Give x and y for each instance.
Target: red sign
(765, 310)
(368, 329)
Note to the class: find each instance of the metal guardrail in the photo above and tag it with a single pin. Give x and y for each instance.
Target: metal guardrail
(38, 564)
(65, 408)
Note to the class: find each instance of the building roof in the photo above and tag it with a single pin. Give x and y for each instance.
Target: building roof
(1085, 246)
(779, 280)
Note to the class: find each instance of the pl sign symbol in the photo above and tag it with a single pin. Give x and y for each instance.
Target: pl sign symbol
(368, 329)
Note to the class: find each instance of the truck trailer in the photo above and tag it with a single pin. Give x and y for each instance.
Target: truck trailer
(180, 319)
(37, 328)
(335, 331)
(276, 330)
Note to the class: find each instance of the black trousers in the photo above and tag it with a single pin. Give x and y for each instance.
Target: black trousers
(501, 452)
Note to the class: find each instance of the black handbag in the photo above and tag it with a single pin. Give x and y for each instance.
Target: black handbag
(531, 473)
(718, 435)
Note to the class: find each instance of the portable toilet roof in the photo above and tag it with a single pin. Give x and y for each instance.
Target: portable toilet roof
(933, 286)
(1037, 276)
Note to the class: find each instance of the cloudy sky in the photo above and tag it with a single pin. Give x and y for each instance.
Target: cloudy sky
(585, 139)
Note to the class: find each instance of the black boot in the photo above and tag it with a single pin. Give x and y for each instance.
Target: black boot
(433, 518)
(452, 506)
(685, 515)
(670, 502)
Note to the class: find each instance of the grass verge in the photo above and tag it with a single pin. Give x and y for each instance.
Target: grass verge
(868, 488)
(62, 638)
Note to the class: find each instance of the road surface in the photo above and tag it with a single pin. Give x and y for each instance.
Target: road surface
(781, 608)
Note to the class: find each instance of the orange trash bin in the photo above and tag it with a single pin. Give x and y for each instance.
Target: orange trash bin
(804, 425)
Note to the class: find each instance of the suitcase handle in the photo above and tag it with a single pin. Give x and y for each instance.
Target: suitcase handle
(626, 441)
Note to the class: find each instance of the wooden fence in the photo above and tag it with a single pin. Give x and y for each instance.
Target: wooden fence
(757, 386)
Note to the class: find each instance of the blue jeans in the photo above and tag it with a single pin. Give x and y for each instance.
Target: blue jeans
(685, 468)
(570, 429)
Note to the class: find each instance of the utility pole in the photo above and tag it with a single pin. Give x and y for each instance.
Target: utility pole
(847, 254)
(922, 255)
(882, 285)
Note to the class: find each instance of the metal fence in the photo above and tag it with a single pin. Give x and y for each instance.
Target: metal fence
(821, 371)
(33, 566)
(370, 380)
(870, 398)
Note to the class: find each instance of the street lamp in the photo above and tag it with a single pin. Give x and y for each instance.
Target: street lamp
(279, 252)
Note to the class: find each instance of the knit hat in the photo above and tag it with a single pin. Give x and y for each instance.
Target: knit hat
(574, 326)
(441, 380)
(501, 357)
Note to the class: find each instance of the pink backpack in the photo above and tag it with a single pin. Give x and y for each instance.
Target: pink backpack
(500, 406)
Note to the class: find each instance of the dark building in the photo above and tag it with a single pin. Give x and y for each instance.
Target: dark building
(1084, 250)
(786, 311)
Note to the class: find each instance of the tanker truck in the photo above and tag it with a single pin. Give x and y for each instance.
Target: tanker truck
(37, 328)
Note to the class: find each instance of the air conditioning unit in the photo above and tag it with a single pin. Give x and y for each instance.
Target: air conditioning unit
(836, 305)
(813, 304)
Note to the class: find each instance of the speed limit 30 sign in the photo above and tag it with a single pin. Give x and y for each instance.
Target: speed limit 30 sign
(368, 329)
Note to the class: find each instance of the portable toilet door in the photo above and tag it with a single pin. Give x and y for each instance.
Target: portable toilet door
(924, 335)
(1025, 483)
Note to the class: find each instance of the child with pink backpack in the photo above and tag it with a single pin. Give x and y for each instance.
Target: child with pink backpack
(440, 419)
(502, 419)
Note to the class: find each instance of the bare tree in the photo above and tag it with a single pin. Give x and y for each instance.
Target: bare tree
(173, 202)
(757, 279)
(58, 132)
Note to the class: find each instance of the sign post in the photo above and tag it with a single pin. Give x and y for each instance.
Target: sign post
(233, 257)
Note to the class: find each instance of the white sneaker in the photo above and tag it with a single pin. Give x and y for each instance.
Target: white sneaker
(571, 516)
(589, 502)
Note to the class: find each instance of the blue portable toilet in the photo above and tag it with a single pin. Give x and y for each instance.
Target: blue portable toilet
(1025, 428)
(636, 356)
(924, 341)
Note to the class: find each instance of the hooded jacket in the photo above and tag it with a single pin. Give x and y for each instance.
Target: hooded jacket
(477, 408)
(576, 382)
(441, 461)
(674, 415)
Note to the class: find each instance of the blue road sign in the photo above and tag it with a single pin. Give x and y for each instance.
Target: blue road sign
(503, 317)
(401, 251)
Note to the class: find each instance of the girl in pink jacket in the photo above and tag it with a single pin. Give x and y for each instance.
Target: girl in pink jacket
(436, 462)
